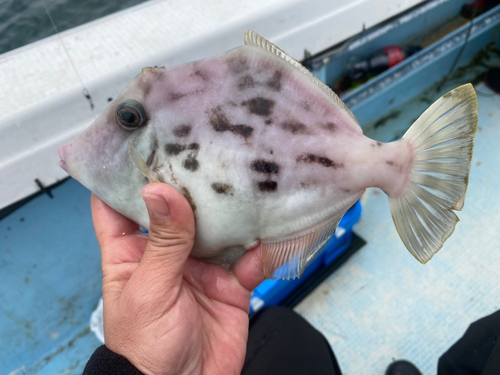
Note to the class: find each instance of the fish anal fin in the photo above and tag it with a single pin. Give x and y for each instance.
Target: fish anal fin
(140, 164)
(287, 258)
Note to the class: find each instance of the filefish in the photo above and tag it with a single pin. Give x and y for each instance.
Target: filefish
(267, 154)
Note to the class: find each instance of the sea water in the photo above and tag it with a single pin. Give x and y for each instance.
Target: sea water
(26, 21)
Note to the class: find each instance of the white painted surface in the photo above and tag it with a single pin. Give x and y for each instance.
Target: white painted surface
(41, 99)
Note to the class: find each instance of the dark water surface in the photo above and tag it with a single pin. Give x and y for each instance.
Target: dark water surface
(26, 21)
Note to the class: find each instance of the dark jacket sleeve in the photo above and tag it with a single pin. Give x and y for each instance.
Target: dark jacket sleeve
(106, 362)
(477, 352)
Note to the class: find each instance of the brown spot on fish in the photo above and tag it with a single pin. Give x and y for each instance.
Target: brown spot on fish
(394, 164)
(271, 152)
(260, 106)
(324, 161)
(268, 186)
(147, 89)
(182, 130)
(200, 74)
(244, 130)
(189, 198)
(306, 106)
(264, 166)
(268, 122)
(220, 123)
(275, 82)
(376, 144)
(345, 190)
(295, 127)
(246, 82)
(238, 65)
(191, 164)
(174, 148)
(175, 96)
(448, 94)
(221, 188)
(330, 126)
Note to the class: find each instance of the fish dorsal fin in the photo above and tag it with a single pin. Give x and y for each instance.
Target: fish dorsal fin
(254, 39)
(140, 164)
(287, 258)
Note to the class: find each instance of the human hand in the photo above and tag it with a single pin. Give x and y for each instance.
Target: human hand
(165, 312)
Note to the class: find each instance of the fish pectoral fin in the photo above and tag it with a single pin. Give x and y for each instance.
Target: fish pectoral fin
(287, 258)
(140, 164)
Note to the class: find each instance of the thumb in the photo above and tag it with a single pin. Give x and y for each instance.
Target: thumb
(171, 235)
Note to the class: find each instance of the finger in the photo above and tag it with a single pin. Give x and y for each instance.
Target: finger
(171, 238)
(216, 283)
(109, 224)
(249, 271)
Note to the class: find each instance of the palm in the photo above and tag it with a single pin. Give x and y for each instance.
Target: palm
(200, 324)
(218, 330)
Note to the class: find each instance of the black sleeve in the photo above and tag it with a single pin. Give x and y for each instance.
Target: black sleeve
(106, 362)
(477, 352)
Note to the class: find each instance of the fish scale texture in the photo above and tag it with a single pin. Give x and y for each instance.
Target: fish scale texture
(383, 305)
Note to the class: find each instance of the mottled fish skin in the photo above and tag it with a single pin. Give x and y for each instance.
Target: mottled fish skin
(258, 150)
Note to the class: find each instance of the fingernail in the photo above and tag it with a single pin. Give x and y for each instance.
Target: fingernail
(157, 206)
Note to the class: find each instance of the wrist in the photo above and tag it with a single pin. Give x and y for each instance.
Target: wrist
(106, 362)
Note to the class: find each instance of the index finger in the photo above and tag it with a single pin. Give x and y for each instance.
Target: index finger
(109, 224)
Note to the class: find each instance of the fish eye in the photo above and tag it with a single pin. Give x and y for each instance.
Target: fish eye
(131, 115)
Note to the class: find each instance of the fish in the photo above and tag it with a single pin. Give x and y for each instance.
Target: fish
(267, 154)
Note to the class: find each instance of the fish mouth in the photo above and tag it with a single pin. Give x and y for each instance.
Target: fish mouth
(62, 154)
(63, 165)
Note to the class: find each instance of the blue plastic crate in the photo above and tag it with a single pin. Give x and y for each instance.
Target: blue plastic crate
(273, 292)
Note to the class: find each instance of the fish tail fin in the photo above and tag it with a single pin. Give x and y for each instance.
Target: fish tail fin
(443, 139)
